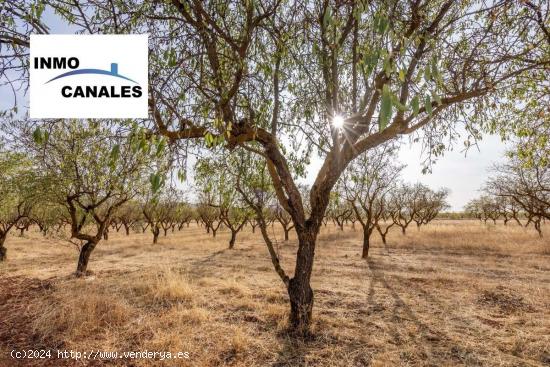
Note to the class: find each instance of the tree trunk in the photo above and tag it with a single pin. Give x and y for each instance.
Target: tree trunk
(286, 233)
(127, 228)
(253, 229)
(106, 234)
(165, 232)
(299, 289)
(366, 243)
(156, 232)
(84, 257)
(403, 230)
(214, 232)
(3, 250)
(537, 227)
(232, 240)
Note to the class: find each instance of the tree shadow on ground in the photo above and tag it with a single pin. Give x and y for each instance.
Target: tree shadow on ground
(293, 352)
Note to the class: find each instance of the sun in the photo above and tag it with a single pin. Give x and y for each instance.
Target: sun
(338, 122)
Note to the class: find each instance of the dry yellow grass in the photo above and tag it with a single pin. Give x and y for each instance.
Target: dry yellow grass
(450, 294)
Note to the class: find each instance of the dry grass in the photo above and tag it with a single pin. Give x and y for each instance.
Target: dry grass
(450, 294)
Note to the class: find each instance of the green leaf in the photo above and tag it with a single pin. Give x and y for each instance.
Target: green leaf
(428, 105)
(327, 18)
(436, 97)
(385, 108)
(387, 65)
(397, 103)
(37, 136)
(381, 24)
(115, 152)
(160, 147)
(415, 105)
(156, 182)
(427, 73)
(402, 75)
(371, 61)
(181, 175)
(143, 144)
(209, 139)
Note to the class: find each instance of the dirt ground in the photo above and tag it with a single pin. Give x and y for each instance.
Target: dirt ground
(454, 293)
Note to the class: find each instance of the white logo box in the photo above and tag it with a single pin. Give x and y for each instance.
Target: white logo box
(109, 67)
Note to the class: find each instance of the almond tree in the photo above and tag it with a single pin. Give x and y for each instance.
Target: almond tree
(91, 170)
(284, 219)
(16, 193)
(158, 210)
(46, 215)
(483, 208)
(386, 218)
(339, 209)
(366, 183)
(153, 212)
(509, 209)
(218, 191)
(185, 213)
(128, 215)
(234, 218)
(210, 217)
(288, 79)
(473, 209)
(169, 207)
(528, 187)
(402, 201)
(429, 204)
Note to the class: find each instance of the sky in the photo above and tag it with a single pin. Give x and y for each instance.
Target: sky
(464, 174)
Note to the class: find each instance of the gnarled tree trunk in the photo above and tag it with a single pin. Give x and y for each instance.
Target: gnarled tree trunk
(84, 257)
(299, 289)
(383, 236)
(233, 238)
(156, 232)
(3, 250)
(366, 242)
